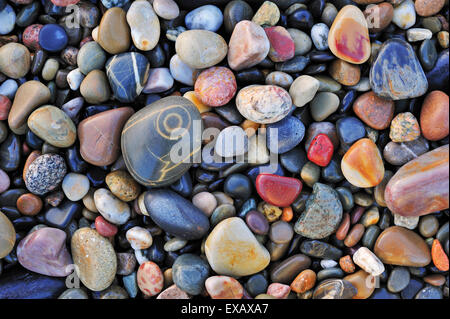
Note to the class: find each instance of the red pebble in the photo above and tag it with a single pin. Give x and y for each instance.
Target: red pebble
(5, 106)
(321, 150)
(282, 46)
(105, 228)
(215, 86)
(64, 3)
(30, 36)
(278, 190)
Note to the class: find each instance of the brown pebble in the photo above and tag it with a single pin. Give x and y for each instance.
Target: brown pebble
(355, 235)
(434, 116)
(374, 110)
(29, 204)
(342, 230)
(435, 280)
(426, 8)
(344, 72)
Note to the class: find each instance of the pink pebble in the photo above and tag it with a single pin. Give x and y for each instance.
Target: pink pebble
(5, 106)
(279, 291)
(224, 287)
(281, 44)
(173, 292)
(215, 86)
(44, 251)
(4, 181)
(150, 278)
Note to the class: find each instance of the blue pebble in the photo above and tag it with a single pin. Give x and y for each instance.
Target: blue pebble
(396, 73)
(8, 19)
(290, 131)
(130, 283)
(438, 76)
(9, 88)
(114, 3)
(189, 273)
(350, 129)
(53, 37)
(123, 70)
(206, 17)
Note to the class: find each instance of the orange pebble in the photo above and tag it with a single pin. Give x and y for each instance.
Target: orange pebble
(202, 108)
(347, 264)
(250, 127)
(33, 155)
(304, 281)
(287, 214)
(439, 257)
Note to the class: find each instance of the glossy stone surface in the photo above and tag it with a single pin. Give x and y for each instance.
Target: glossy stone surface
(148, 159)
(278, 190)
(53, 37)
(373, 110)
(7, 235)
(348, 38)
(428, 193)
(401, 153)
(399, 246)
(113, 31)
(60, 133)
(224, 287)
(99, 135)
(288, 269)
(127, 74)
(233, 250)
(407, 79)
(44, 251)
(362, 164)
(434, 116)
(95, 259)
(189, 273)
(248, 45)
(144, 25)
(191, 46)
(175, 214)
(110, 207)
(320, 150)
(289, 132)
(208, 17)
(29, 96)
(360, 279)
(22, 284)
(281, 44)
(334, 289)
